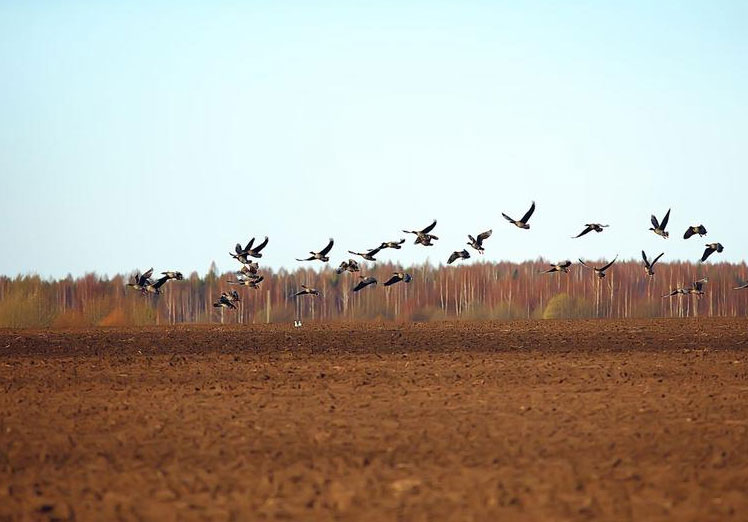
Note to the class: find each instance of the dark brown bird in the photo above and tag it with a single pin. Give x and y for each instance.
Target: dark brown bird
(463, 254)
(397, 277)
(589, 227)
(365, 281)
(321, 255)
(659, 228)
(696, 229)
(522, 223)
(559, 267)
(369, 256)
(477, 242)
(392, 244)
(348, 266)
(423, 236)
(649, 266)
(710, 249)
(305, 290)
(599, 272)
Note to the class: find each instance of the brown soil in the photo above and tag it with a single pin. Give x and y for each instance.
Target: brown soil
(584, 420)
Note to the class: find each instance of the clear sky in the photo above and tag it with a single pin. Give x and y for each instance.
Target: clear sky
(138, 134)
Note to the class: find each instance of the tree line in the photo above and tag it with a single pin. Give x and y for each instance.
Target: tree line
(483, 290)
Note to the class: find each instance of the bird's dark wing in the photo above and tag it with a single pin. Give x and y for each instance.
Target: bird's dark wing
(311, 258)
(373, 251)
(527, 215)
(483, 236)
(654, 221)
(429, 228)
(392, 280)
(550, 270)
(720, 248)
(148, 273)
(507, 218)
(689, 233)
(249, 245)
(665, 219)
(644, 257)
(566, 264)
(585, 231)
(702, 230)
(603, 269)
(585, 264)
(262, 245)
(453, 257)
(708, 252)
(325, 250)
(160, 282)
(259, 279)
(359, 286)
(656, 259)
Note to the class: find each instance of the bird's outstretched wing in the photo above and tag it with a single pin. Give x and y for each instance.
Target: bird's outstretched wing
(261, 245)
(603, 269)
(665, 219)
(585, 264)
(310, 258)
(325, 250)
(249, 245)
(453, 257)
(644, 257)
(689, 233)
(527, 215)
(654, 221)
(429, 228)
(657, 258)
(507, 218)
(587, 230)
(392, 280)
(483, 236)
(708, 252)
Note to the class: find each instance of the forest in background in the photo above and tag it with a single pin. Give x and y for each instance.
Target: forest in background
(488, 290)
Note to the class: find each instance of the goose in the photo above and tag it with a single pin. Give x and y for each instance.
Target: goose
(649, 266)
(239, 253)
(589, 227)
(348, 266)
(225, 301)
(710, 249)
(558, 267)
(423, 236)
(659, 228)
(477, 242)
(369, 256)
(464, 254)
(305, 290)
(255, 252)
(248, 269)
(321, 255)
(365, 281)
(155, 288)
(252, 282)
(397, 277)
(522, 223)
(232, 296)
(392, 244)
(599, 272)
(693, 230)
(140, 281)
(696, 288)
(171, 274)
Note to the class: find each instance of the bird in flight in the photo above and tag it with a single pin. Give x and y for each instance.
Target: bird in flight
(463, 254)
(321, 255)
(365, 281)
(522, 223)
(252, 282)
(155, 288)
(693, 230)
(348, 266)
(305, 290)
(369, 255)
(710, 249)
(477, 242)
(423, 236)
(589, 227)
(659, 228)
(397, 277)
(696, 288)
(599, 272)
(649, 265)
(140, 281)
(227, 300)
(392, 244)
(172, 274)
(559, 267)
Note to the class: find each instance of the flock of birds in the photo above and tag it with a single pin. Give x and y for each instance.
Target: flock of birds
(248, 275)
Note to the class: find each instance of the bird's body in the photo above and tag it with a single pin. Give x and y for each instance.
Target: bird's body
(348, 266)
(397, 277)
(696, 288)
(423, 237)
(252, 282)
(227, 300)
(521, 223)
(559, 267)
(321, 255)
(693, 230)
(477, 242)
(649, 266)
(172, 274)
(659, 227)
(365, 281)
(710, 249)
(463, 254)
(368, 255)
(140, 281)
(392, 244)
(155, 288)
(305, 290)
(589, 227)
(599, 272)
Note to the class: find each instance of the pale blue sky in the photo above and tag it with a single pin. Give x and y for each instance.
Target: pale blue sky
(161, 133)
